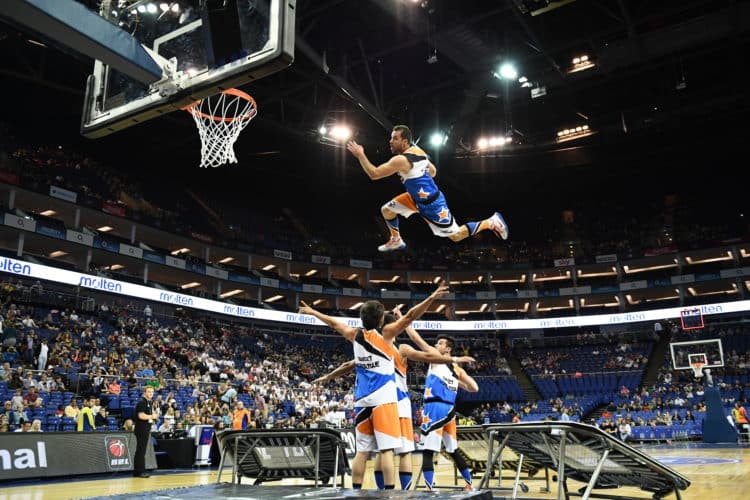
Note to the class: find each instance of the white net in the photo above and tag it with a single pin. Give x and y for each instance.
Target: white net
(220, 119)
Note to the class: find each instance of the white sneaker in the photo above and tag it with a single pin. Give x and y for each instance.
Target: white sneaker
(499, 226)
(392, 244)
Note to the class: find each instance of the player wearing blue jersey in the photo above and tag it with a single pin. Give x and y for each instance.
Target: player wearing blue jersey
(438, 424)
(422, 195)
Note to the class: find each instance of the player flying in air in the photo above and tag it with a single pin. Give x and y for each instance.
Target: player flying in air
(422, 195)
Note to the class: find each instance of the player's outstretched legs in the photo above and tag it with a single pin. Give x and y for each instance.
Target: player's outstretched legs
(494, 223)
(391, 220)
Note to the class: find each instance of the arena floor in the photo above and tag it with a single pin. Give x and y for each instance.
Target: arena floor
(716, 471)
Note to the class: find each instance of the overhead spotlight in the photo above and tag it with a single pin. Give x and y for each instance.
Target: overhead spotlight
(322, 130)
(581, 63)
(152, 8)
(571, 133)
(438, 139)
(164, 6)
(508, 71)
(175, 8)
(494, 142)
(141, 9)
(340, 132)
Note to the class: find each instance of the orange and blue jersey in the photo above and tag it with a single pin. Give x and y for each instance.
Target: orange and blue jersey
(402, 387)
(441, 383)
(374, 362)
(440, 391)
(429, 200)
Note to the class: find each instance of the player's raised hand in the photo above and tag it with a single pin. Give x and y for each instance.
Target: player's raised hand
(464, 360)
(441, 291)
(305, 309)
(397, 311)
(355, 149)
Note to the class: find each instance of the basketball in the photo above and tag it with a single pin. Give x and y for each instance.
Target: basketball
(117, 448)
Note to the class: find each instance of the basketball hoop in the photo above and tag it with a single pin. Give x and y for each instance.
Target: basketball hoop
(697, 367)
(220, 119)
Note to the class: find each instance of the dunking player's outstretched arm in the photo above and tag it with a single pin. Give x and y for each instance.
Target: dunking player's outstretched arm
(347, 331)
(398, 163)
(415, 337)
(343, 368)
(391, 330)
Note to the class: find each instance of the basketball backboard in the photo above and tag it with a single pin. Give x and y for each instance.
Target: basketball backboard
(709, 352)
(205, 46)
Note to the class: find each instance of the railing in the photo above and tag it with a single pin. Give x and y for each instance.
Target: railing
(560, 374)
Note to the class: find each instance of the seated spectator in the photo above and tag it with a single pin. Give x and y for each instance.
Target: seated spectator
(5, 372)
(100, 420)
(114, 387)
(17, 399)
(25, 427)
(624, 430)
(31, 396)
(72, 410)
(59, 385)
(19, 416)
(36, 426)
(128, 425)
(609, 427)
(169, 421)
(227, 393)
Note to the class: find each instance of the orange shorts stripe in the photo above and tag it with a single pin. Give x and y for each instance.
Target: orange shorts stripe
(407, 428)
(406, 200)
(384, 420)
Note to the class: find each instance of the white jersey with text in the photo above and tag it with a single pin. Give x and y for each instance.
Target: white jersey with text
(374, 361)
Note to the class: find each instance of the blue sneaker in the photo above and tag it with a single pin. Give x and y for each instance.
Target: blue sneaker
(499, 226)
(392, 244)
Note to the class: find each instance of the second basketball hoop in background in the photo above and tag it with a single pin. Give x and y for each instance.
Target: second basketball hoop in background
(220, 119)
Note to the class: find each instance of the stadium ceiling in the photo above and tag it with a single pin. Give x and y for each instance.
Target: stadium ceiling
(658, 66)
(431, 64)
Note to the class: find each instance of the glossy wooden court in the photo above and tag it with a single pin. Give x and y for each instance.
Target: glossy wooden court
(716, 471)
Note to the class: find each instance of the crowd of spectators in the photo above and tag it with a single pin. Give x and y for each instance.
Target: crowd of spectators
(618, 229)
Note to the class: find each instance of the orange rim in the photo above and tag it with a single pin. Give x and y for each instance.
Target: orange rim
(193, 110)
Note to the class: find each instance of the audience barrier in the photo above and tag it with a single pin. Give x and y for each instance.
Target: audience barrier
(35, 454)
(271, 455)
